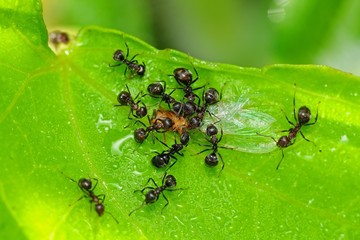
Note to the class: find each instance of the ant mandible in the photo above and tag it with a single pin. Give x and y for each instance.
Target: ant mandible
(125, 98)
(168, 183)
(301, 119)
(85, 185)
(131, 64)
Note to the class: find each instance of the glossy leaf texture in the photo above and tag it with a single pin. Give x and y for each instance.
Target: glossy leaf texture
(58, 121)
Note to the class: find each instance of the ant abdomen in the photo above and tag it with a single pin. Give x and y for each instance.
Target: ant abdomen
(155, 89)
(161, 160)
(124, 97)
(211, 160)
(119, 55)
(304, 115)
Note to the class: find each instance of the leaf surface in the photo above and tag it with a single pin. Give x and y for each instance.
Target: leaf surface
(58, 116)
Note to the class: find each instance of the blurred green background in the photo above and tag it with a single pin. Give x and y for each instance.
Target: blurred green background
(249, 33)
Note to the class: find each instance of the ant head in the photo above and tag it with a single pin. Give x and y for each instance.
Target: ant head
(283, 142)
(151, 197)
(189, 95)
(141, 112)
(170, 181)
(304, 115)
(140, 135)
(124, 97)
(194, 122)
(177, 107)
(85, 183)
(211, 160)
(119, 56)
(100, 209)
(183, 76)
(57, 37)
(189, 109)
(141, 69)
(184, 138)
(155, 89)
(161, 160)
(211, 96)
(177, 147)
(211, 130)
(167, 123)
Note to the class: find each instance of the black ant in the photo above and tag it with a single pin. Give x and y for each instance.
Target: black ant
(141, 134)
(125, 98)
(168, 183)
(162, 159)
(85, 185)
(302, 119)
(210, 97)
(131, 64)
(157, 90)
(212, 159)
(184, 78)
(58, 37)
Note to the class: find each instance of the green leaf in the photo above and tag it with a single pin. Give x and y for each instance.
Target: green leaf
(57, 115)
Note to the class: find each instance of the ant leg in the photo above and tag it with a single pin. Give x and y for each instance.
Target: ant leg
(132, 59)
(294, 107)
(316, 117)
(127, 50)
(127, 87)
(223, 164)
(221, 135)
(138, 121)
(225, 147)
(132, 113)
(125, 70)
(163, 178)
(196, 72)
(282, 153)
(141, 206)
(95, 183)
(172, 164)
(306, 138)
(167, 202)
(203, 95)
(77, 201)
(267, 136)
(221, 91)
(101, 198)
(205, 145)
(209, 149)
(214, 116)
(113, 217)
(288, 118)
(162, 141)
(115, 65)
(151, 179)
(69, 178)
(142, 190)
(137, 95)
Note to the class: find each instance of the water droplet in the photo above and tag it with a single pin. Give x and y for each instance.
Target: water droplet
(103, 124)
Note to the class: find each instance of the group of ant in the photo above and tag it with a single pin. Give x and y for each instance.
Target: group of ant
(180, 117)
